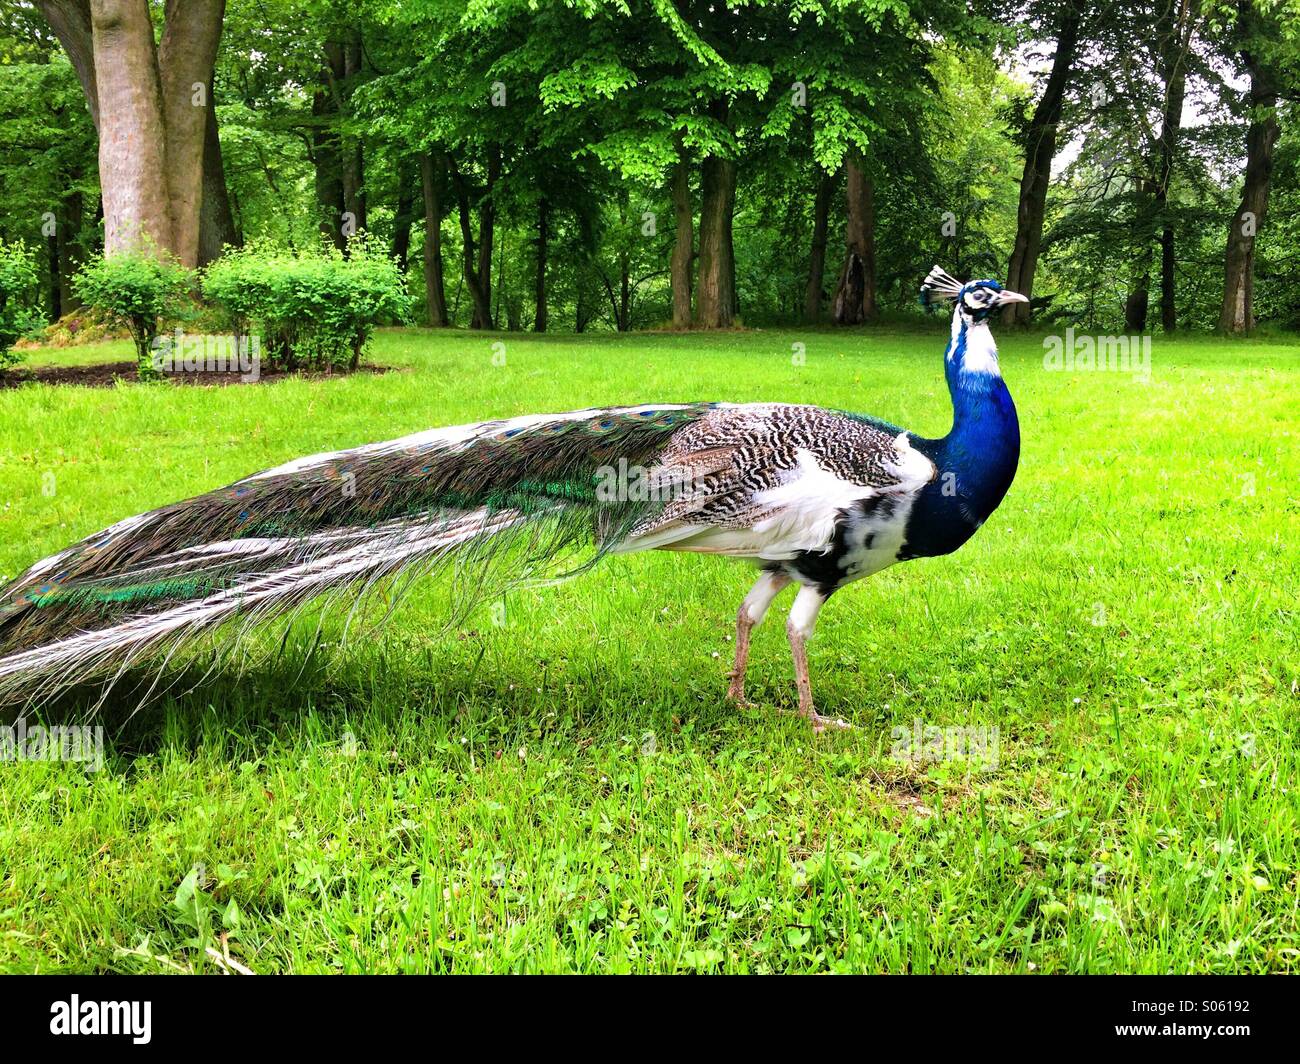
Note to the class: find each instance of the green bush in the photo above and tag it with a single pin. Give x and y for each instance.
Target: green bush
(135, 289)
(19, 290)
(312, 310)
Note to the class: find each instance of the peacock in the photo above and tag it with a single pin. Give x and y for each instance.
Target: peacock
(813, 497)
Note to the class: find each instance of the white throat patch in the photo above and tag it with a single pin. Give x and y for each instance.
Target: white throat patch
(981, 352)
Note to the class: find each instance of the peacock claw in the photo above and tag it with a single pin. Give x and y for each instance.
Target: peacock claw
(818, 722)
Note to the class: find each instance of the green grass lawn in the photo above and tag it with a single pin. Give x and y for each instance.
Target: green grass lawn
(558, 784)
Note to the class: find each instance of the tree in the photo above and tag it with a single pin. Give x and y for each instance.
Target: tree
(1040, 148)
(866, 70)
(1266, 37)
(813, 293)
(1141, 100)
(150, 102)
(432, 180)
(855, 295)
(683, 238)
(715, 291)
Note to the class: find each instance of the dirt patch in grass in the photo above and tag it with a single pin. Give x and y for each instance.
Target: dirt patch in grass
(106, 374)
(911, 793)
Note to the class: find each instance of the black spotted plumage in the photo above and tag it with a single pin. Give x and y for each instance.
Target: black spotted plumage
(762, 443)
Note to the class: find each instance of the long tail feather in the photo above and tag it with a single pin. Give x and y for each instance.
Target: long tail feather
(507, 495)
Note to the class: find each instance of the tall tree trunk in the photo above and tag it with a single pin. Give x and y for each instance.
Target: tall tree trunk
(186, 53)
(731, 257)
(684, 243)
(327, 158)
(1238, 311)
(855, 295)
(481, 318)
(1168, 280)
(217, 227)
(151, 122)
(623, 305)
(70, 21)
(507, 295)
(404, 215)
(543, 247)
(715, 302)
(56, 289)
(624, 292)
(132, 127)
(1175, 37)
(1040, 149)
(486, 233)
(584, 269)
(435, 295)
(1138, 303)
(69, 226)
(812, 300)
(716, 288)
(354, 183)
(353, 151)
(1175, 78)
(501, 287)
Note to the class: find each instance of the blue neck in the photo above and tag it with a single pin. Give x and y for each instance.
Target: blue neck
(977, 459)
(984, 441)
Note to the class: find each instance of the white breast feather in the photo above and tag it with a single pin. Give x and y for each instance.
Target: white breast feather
(806, 506)
(913, 469)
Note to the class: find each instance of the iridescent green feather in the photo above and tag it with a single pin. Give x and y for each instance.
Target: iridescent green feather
(533, 488)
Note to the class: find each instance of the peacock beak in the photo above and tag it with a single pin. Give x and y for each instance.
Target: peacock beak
(1005, 297)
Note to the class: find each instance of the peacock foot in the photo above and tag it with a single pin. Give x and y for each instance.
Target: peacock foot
(818, 722)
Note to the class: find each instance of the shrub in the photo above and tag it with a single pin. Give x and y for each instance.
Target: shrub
(19, 285)
(312, 310)
(135, 289)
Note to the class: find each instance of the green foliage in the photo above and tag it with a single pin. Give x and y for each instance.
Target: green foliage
(48, 178)
(580, 112)
(18, 286)
(1278, 265)
(313, 310)
(136, 289)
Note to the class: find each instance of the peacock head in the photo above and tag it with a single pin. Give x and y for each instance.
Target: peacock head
(975, 300)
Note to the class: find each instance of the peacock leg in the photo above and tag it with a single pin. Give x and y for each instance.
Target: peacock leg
(799, 628)
(749, 617)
